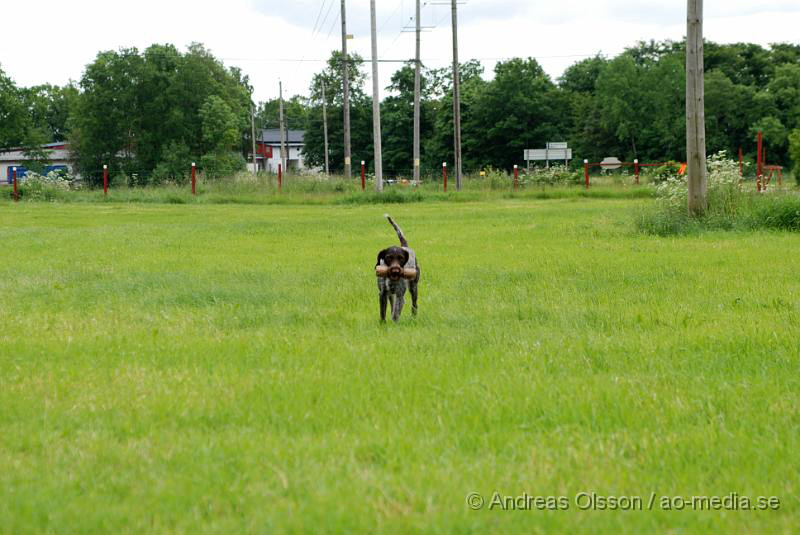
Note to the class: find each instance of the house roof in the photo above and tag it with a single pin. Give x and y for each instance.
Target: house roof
(273, 136)
(55, 152)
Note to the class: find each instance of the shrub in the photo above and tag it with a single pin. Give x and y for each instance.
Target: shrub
(222, 164)
(729, 206)
(174, 165)
(45, 187)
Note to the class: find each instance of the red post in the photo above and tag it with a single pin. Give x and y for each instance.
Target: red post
(16, 193)
(194, 179)
(363, 175)
(760, 161)
(586, 172)
(444, 172)
(105, 180)
(280, 177)
(741, 162)
(516, 178)
(636, 170)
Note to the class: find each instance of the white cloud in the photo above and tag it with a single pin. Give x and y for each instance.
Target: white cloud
(50, 41)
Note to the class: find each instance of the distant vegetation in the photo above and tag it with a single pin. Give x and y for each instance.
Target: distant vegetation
(149, 113)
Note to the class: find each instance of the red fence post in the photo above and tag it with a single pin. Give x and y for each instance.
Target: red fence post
(516, 178)
(636, 170)
(16, 194)
(444, 172)
(363, 175)
(105, 180)
(760, 161)
(280, 177)
(194, 179)
(586, 172)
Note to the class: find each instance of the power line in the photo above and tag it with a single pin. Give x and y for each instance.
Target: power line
(316, 22)
(330, 8)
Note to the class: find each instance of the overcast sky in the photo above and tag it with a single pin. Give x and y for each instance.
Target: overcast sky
(52, 41)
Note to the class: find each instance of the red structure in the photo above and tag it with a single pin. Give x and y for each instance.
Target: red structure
(194, 179)
(105, 180)
(16, 193)
(444, 173)
(280, 177)
(516, 178)
(363, 175)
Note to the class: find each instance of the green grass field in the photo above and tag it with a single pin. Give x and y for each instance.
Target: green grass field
(220, 369)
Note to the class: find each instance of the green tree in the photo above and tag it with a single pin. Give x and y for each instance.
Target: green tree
(794, 152)
(139, 110)
(520, 109)
(16, 125)
(360, 115)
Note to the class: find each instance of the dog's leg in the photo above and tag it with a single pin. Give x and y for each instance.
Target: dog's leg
(384, 300)
(414, 289)
(397, 309)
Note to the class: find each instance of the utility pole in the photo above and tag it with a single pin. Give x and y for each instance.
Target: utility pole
(695, 110)
(283, 131)
(348, 170)
(325, 127)
(456, 98)
(253, 135)
(376, 102)
(417, 90)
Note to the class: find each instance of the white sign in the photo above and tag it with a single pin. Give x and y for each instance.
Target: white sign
(541, 155)
(558, 145)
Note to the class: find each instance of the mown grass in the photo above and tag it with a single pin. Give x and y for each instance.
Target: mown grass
(219, 368)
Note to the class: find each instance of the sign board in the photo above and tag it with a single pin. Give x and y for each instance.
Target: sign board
(611, 163)
(541, 155)
(558, 145)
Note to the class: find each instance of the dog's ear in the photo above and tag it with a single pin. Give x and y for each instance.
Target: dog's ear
(407, 257)
(381, 257)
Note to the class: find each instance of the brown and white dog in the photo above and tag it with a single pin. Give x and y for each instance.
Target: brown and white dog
(397, 271)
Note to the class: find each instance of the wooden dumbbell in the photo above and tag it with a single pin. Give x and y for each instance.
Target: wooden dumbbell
(383, 272)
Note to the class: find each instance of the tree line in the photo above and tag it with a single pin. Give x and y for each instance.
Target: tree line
(147, 113)
(630, 106)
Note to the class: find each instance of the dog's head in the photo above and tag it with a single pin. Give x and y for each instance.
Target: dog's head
(395, 258)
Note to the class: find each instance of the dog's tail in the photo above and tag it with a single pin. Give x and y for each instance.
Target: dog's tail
(403, 240)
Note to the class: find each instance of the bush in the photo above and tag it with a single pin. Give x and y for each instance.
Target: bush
(48, 187)
(729, 205)
(222, 164)
(174, 165)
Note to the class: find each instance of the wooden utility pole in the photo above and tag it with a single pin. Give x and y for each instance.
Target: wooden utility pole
(253, 135)
(284, 156)
(417, 98)
(456, 98)
(695, 110)
(325, 127)
(348, 169)
(376, 102)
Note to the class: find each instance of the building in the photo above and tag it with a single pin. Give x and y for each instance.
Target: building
(58, 155)
(268, 150)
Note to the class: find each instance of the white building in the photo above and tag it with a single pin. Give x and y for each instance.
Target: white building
(269, 150)
(58, 158)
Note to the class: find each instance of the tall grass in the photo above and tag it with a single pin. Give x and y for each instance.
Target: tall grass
(244, 188)
(733, 204)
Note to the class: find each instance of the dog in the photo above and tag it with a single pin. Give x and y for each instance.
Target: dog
(400, 261)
